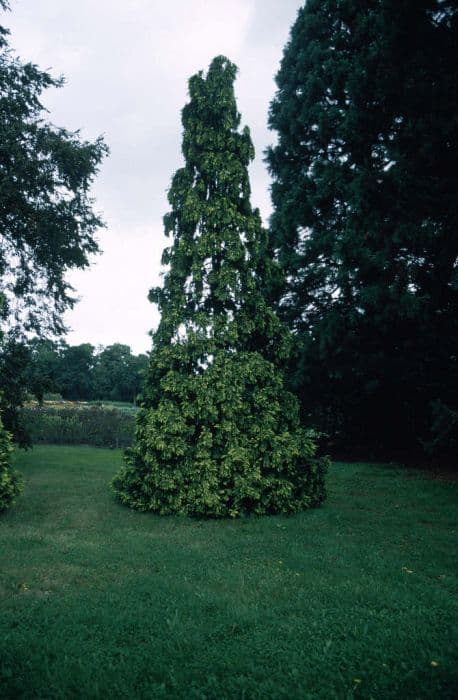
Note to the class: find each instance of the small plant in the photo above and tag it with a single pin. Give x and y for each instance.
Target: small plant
(10, 479)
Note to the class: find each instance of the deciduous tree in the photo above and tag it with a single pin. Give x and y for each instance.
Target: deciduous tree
(118, 375)
(47, 220)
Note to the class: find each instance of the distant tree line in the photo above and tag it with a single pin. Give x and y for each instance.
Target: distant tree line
(83, 372)
(75, 372)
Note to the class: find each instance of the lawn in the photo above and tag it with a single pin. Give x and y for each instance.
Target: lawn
(355, 599)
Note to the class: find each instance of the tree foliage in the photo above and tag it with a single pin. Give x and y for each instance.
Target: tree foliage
(78, 372)
(10, 481)
(118, 374)
(47, 221)
(43, 367)
(14, 364)
(218, 434)
(365, 214)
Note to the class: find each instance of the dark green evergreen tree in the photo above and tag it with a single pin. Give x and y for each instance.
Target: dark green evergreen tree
(218, 434)
(365, 214)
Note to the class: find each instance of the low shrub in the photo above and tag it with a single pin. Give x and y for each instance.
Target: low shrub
(223, 443)
(10, 480)
(79, 425)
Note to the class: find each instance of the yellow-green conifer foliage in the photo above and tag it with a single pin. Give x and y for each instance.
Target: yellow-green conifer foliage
(218, 434)
(10, 481)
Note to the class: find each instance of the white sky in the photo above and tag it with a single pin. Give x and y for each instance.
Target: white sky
(127, 63)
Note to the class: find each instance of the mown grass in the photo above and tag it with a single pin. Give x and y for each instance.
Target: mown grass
(355, 599)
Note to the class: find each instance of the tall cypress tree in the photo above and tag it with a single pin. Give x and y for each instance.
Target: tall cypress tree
(218, 434)
(365, 216)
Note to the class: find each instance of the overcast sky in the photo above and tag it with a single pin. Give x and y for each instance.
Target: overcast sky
(126, 64)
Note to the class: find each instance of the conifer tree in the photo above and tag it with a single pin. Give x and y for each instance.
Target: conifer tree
(218, 434)
(365, 217)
